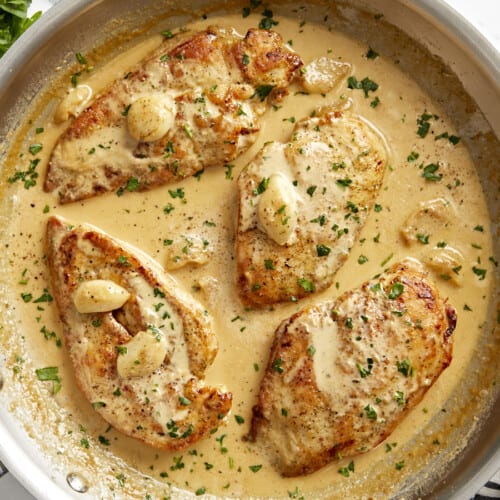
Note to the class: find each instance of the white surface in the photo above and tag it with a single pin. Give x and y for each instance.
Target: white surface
(484, 15)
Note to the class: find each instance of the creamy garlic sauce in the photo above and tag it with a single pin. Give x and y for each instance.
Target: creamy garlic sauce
(224, 464)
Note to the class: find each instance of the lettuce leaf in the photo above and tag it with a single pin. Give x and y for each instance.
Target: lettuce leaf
(14, 21)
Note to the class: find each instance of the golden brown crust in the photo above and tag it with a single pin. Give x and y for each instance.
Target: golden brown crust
(386, 343)
(210, 85)
(131, 405)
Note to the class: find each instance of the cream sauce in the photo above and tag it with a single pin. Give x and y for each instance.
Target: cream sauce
(224, 464)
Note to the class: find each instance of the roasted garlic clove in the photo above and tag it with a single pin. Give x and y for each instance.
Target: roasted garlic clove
(323, 74)
(99, 296)
(277, 209)
(150, 117)
(141, 355)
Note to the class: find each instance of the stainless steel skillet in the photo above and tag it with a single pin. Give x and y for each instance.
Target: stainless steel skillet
(32, 62)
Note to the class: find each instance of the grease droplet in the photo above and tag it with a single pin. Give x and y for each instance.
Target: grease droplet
(77, 482)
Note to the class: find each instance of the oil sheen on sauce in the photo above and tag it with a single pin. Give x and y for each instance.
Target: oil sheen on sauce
(224, 464)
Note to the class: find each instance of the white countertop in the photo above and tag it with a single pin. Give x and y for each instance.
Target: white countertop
(484, 15)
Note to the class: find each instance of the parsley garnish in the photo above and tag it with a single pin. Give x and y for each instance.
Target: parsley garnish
(370, 412)
(343, 183)
(177, 193)
(277, 365)
(51, 374)
(267, 22)
(366, 85)
(306, 284)
(429, 172)
(405, 367)
(481, 273)
(29, 176)
(345, 471)
(423, 238)
(424, 124)
(396, 290)
(132, 184)
(262, 91)
(364, 372)
(262, 186)
(362, 259)
(323, 250)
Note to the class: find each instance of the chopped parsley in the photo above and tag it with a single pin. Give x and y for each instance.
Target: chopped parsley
(34, 149)
(321, 220)
(229, 171)
(168, 208)
(345, 471)
(277, 365)
(103, 440)
(323, 250)
(176, 193)
(29, 176)
(370, 412)
(262, 186)
(454, 139)
(399, 398)
(310, 190)
(396, 290)
(306, 284)
(262, 91)
(184, 401)
(413, 156)
(132, 184)
(44, 297)
(423, 122)
(480, 273)
(405, 368)
(123, 260)
(429, 172)
(267, 22)
(343, 183)
(50, 374)
(364, 372)
(366, 85)
(423, 238)
(268, 264)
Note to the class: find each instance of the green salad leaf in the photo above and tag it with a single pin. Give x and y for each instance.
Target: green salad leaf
(14, 21)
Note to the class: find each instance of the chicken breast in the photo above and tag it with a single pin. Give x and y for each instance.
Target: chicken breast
(139, 345)
(342, 374)
(302, 205)
(195, 102)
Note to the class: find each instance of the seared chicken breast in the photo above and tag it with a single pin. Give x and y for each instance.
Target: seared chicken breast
(342, 374)
(195, 102)
(302, 205)
(139, 344)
